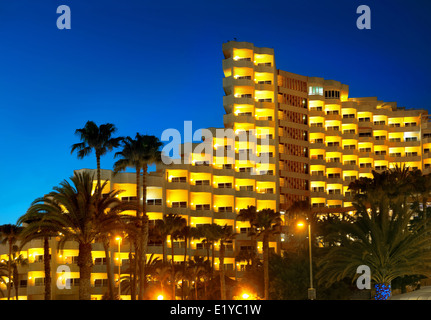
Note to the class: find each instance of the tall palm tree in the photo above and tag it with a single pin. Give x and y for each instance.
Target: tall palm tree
(97, 138)
(75, 210)
(211, 233)
(381, 235)
(162, 231)
(18, 260)
(139, 153)
(162, 273)
(249, 214)
(198, 268)
(176, 223)
(267, 223)
(169, 226)
(186, 233)
(9, 234)
(151, 154)
(32, 230)
(227, 235)
(131, 156)
(3, 274)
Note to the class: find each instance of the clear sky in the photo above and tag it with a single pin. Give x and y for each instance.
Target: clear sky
(146, 66)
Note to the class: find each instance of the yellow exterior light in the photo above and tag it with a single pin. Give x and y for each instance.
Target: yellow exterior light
(300, 224)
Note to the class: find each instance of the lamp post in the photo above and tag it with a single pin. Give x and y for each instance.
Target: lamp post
(119, 265)
(311, 290)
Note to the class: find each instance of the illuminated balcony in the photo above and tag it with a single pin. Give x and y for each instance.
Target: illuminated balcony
(200, 166)
(264, 67)
(349, 120)
(335, 196)
(334, 164)
(229, 63)
(265, 122)
(201, 188)
(317, 161)
(264, 105)
(231, 81)
(265, 177)
(230, 119)
(201, 213)
(231, 99)
(264, 85)
(245, 191)
(350, 166)
(223, 191)
(224, 215)
(317, 129)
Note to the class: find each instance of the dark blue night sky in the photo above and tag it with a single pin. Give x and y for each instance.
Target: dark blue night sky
(148, 66)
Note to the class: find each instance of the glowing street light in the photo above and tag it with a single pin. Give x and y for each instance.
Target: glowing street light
(311, 290)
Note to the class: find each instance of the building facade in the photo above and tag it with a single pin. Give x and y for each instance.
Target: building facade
(286, 138)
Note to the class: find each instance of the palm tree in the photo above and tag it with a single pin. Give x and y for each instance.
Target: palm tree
(381, 235)
(97, 138)
(249, 214)
(211, 234)
(18, 260)
(80, 214)
(150, 154)
(170, 225)
(162, 231)
(139, 153)
(9, 234)
(198, 268)
(162, 273)
(3, 274)
(32, 230)
(130, 226)
(267, 223)
(227, 235)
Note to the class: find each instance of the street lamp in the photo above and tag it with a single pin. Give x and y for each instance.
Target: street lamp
(311, 290)
(245, 296)
(119, 265)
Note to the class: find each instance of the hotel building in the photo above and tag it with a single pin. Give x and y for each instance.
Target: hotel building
(286, 138)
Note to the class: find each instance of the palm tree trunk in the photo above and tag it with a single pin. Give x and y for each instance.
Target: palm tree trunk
(9, 271)
(132, 260)
(173, 270)
(196, 287)
(15, 280)
(144, 233)
(98, 170)
(184, 268)
(164, 249)
(109, 270)
(85, 263)
(221, 266)
(383, 291)
(266, 266)
(212, 259)
(47, 267)
(138, 247)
